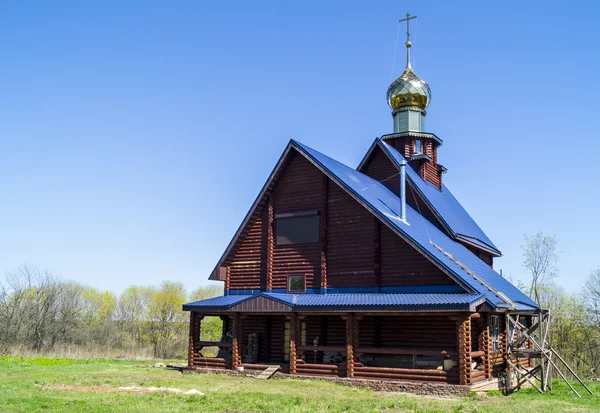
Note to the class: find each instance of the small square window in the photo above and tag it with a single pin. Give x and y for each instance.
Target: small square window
(296, 284)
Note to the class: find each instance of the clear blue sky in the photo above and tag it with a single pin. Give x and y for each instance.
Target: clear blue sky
(135, 135)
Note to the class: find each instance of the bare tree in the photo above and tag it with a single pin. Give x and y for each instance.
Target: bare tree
(540, 259)
(592, 296)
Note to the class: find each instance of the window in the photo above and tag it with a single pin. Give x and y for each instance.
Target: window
(296, 284)
(297, 228)
(418, 146)
(495, 333)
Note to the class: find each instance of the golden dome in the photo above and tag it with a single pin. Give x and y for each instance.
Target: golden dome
(409, 90)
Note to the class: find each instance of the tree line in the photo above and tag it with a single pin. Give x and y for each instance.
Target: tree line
(574, 316)
(42, 313)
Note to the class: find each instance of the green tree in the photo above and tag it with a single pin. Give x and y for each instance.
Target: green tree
(167, 321)
(206, 291)
(132, 313)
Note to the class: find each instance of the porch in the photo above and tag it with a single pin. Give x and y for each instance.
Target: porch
(451, 348)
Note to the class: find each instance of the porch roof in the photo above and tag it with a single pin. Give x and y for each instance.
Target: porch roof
(360, 302)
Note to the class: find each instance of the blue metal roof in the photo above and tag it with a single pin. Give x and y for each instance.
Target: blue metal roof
(385, 204)
(222, 302)
(444, 204)
(343, 301)
(353, 301)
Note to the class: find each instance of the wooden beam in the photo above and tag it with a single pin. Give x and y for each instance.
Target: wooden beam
(464, 351)
(191, 340)
(293, 338)
(235, 341)
(349, 345)
(227, 278)
(486, 345)
(323, 231)
(270, 243)
(377, 253)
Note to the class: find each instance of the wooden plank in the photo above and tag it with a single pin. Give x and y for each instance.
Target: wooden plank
(268, 373)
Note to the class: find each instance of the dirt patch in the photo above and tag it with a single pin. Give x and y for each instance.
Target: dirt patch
(128, 389)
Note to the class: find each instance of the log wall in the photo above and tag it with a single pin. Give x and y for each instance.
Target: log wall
(402, 265)
(300, 188)
(250, 260)
(350, 241)
(355, 250)
(425, 332)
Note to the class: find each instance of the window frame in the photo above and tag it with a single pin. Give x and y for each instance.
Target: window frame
(295, 215)
(419, 147)
(289, 277)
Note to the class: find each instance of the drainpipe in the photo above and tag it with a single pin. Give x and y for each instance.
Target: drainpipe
(403, 190)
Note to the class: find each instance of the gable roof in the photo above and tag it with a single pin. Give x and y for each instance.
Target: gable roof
(450, 255)
(452, 214)
(421, 302)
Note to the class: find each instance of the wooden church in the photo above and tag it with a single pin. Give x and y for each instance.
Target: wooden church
(375, 273)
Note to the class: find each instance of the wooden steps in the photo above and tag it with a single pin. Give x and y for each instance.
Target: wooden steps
(268, 373)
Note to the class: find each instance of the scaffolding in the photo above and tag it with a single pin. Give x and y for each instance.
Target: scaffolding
(528, 337)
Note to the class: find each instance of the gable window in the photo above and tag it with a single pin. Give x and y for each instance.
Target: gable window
(495, 333)
(418, 146)
(296, 284)
(297, 228)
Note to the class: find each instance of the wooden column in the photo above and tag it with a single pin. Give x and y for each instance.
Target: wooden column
(191, 340)
(293, 338)
(323, 232)
(227, 278)
(350, 345)
(270, 243)
(377, 253)
(464, 350)
(195, 320)
(235, 341)
(485, 344)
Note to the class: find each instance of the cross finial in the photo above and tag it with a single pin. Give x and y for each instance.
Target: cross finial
(408, 43)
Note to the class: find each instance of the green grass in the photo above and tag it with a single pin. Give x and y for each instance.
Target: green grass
(42, 384)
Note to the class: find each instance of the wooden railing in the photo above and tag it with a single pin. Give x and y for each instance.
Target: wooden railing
(320, 369)
(410, 374)
(212, 362)
(201, 344)
(404, 351)
(333, 349)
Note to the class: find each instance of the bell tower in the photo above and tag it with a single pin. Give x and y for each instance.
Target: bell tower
(408, 97)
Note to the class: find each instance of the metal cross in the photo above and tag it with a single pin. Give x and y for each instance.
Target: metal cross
(407, 20)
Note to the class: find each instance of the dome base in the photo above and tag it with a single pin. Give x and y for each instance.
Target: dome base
(409, 120)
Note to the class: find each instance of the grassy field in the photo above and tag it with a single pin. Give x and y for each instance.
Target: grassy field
(62, 385)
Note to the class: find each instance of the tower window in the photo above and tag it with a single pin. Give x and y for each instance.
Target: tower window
(418, 146)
